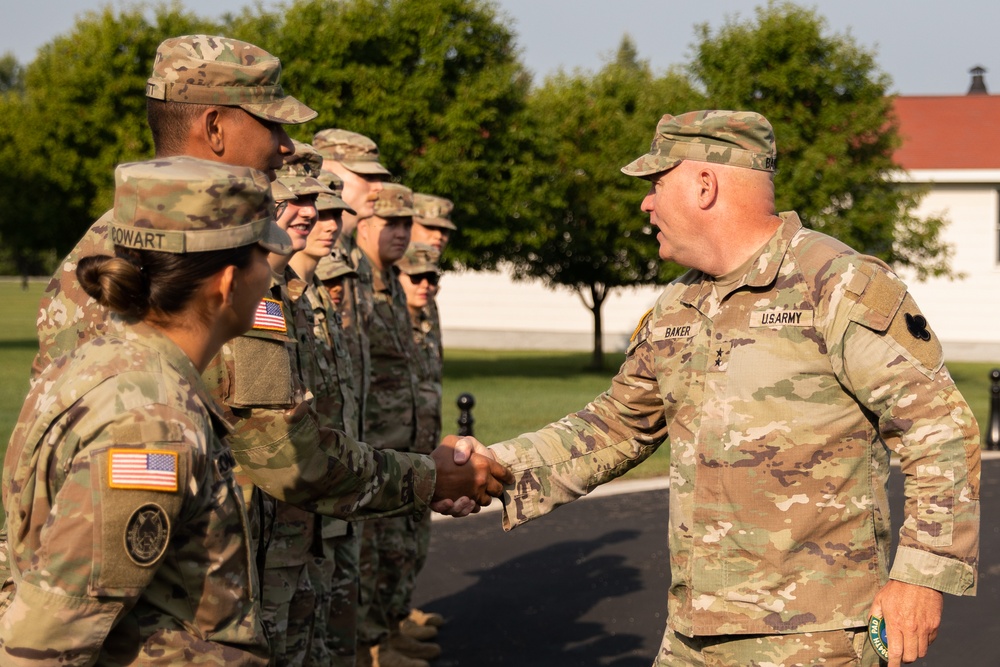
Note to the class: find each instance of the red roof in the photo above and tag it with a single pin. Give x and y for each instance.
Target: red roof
(955, 132)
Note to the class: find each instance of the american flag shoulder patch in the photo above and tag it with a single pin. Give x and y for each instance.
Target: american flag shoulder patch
(270, 316)
(154, 470)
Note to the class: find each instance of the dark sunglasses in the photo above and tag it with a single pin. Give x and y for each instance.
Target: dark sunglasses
(430, 277)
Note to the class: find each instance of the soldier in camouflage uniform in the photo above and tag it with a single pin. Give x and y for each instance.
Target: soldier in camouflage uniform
(419, 276)
(232, 110)
(334, 568)
(782, 368)
(129, 536)
(292, 587)
(388, 545)
(354, 159)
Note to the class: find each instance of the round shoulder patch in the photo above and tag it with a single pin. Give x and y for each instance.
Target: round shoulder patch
(146, 534)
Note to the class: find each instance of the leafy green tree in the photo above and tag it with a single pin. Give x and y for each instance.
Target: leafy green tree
(436, 83)
(11, 74)
(832, 115)
(81, 112)
(593, 238)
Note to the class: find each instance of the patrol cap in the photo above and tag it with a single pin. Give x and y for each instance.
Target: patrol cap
(207, 69)
(738, 138)
(330, 268)
(303, 161)
(298, 173)
(394, 201)
(332, 202)
(355, 151)
(432, 211)
(183, 204)
(419, 258)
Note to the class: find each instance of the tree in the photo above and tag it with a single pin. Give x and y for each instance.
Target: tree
(832, 116)
(593, 238)
(436, 83)
(80, 112)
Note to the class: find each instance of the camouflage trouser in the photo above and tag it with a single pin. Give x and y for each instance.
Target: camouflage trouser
(388, 551)
(321, 571)
(833, 648)
(337, 622)
(421, 543)
(288, 604)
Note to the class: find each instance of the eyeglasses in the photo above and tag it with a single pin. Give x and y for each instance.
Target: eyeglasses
(279, 208)
(430, 277)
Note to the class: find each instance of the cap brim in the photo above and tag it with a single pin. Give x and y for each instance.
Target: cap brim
(365, 167)
(304, 185)
(650, 164)
(395, 213)
(436, 222)
(276, 240)
(326, 202)
(287, 111)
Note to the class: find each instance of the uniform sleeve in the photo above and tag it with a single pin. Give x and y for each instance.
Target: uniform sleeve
(287, 453)
(104, 536)
(567, 459)
(893, 363)
(294, 459)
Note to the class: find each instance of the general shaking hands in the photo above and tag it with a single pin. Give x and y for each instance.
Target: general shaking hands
(468, 477)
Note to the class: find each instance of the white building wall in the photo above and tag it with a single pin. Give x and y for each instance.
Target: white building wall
(493, 311)
(965, 312)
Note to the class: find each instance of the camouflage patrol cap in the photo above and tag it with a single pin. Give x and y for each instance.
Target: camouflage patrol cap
(184, 204)
(738, 138)
(394, 201)
(331, 268)
(299, 173)
(303, 161)
(432, 211)
(355, 151)
(419, 258)
(207, 69)
(332, 202)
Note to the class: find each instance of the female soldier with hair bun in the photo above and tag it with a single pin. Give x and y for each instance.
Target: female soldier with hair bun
(128, 535)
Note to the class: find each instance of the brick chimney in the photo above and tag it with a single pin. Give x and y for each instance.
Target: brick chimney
(978, 86)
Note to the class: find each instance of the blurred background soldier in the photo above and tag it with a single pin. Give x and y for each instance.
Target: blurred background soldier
(419, 275)
(390, 415)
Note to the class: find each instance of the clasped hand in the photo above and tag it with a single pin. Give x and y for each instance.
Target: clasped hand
(468, 476)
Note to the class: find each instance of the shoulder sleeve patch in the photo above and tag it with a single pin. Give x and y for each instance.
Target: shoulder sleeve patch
(134, 523)
(270, 316)
(879, 302)
(909, 329)
(262, 373)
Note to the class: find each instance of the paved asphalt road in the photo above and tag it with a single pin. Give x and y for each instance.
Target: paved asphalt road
(586, 586)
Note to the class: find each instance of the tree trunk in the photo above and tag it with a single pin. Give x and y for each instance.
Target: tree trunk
(598, 293)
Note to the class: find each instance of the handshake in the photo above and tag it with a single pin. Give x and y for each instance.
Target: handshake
(468, 476)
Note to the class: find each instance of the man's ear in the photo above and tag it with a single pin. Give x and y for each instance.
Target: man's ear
(212, 129)
(707, 183)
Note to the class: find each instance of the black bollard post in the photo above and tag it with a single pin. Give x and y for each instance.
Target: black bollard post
(993, 432)
(465, 419)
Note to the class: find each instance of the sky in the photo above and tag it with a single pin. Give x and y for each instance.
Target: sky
(926, 46)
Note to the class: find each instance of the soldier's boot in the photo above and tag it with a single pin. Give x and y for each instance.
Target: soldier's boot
(411, 647)
(421, 617)
(419, 632)
(383, 656)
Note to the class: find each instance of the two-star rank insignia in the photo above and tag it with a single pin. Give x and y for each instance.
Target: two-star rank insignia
(917, 326)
